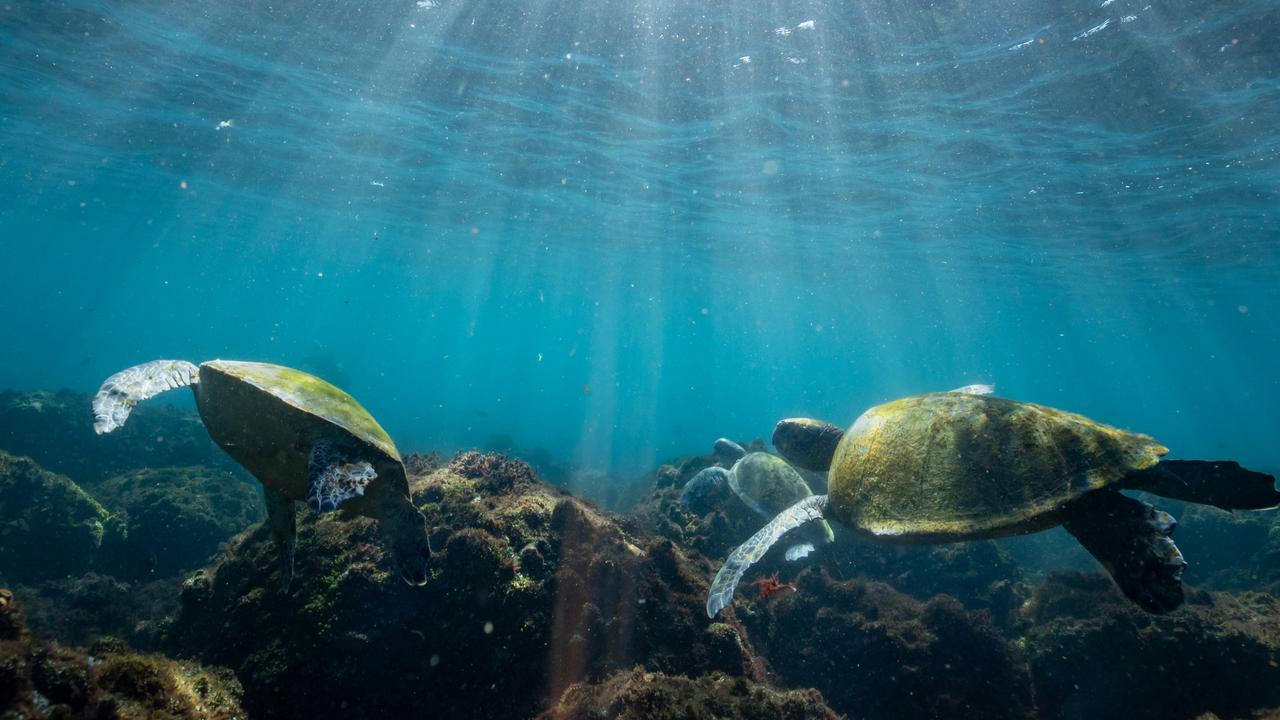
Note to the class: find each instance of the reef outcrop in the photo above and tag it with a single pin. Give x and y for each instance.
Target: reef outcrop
(1093, 654)
(49, 527)
(55, 429)
(108, 681)
(642, 695)
(532, 592)
(175, 518)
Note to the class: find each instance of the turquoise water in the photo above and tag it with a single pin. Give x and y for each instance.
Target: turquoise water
(599, 229)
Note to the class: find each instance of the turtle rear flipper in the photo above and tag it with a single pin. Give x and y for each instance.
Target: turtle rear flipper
(1131, 540)
(120, 392)
(1221, 483)
(810, 508)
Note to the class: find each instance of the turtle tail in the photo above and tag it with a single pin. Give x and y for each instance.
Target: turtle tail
(1221, 483)
(722, 588)
(120, 392)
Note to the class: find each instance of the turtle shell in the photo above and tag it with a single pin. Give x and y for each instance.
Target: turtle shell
(953, 466)
(268, 417)
(767, 483)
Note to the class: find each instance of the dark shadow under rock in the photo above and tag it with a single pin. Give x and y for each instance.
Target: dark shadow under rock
(1094, 654)
(876, 653)
(531, 592)
(641, 695)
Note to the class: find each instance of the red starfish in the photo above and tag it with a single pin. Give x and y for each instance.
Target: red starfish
(769, 586)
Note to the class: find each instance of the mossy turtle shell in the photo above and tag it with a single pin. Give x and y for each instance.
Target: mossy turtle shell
(268, 417)
(767, 483)
(954, 466)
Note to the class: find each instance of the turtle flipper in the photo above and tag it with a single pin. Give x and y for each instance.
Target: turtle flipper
(120, 392)
(282, 519)
(1222, 483)
(332, 477)
(975, 389)
(701, 484)
(1131, 540)
(807, 443)
(799, 552)
(726, 581)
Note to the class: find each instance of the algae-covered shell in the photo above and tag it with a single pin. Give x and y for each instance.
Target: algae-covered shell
(767, 483)
(956, 466)
(269, 416)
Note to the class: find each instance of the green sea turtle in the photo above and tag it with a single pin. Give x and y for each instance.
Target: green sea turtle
(764, 482)
(964, 465)
(301, 437)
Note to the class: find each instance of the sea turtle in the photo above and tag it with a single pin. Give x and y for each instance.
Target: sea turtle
(965, 465)
(301, 437)
(764, 482)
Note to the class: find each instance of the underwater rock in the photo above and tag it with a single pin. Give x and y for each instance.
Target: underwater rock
(109, 681)
(56, 430)
(641, 695)
(876, 653)
(1093, 654)
(175, 518)
(531, 591)
(79, 609)
(49, 527)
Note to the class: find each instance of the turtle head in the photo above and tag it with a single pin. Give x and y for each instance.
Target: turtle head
(405, 533)
(806, 443)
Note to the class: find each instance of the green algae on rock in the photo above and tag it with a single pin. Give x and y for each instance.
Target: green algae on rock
(175, 518)
(642, 695)
(534, 591)
(49, 527)
(109, 681)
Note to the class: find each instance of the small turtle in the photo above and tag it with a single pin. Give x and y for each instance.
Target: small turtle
(301, 437)
(764, 482)
(964, 465)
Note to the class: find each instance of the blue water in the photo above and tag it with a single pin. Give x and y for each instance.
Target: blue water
(599, 229)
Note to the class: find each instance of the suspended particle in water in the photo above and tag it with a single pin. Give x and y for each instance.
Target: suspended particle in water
(488, 628)
(183, 185)
(1242, 309)
(434, 661)
(770, 167)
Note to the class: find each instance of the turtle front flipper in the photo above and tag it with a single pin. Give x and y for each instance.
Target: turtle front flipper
(333, 477)
(1131, 540)
(726, 581)
(807, 443)
(120, 392)
(1221, 483)
(282, 519)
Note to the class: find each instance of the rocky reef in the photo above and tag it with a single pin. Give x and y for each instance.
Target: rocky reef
(42, 680)
(1091, 653)
(541, 602)
(175, 518)
(533, 592)
(49, 526)
(54, 429)
(641, 695)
